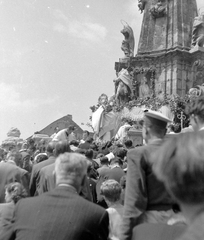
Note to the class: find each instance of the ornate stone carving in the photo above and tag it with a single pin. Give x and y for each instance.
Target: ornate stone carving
(123, 87)
(144, 89)
(198, 31)
(103, 99)
(199, 70)
(199, 64)
(158, 10)
(141, 5)
(128, 44)
(197, 91)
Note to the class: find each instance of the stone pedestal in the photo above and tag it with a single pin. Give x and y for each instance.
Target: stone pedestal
(136, 137)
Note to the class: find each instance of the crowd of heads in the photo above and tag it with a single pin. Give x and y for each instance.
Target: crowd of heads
(179, 163)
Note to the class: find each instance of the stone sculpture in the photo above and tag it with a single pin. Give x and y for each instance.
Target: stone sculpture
(128, 44)
(198, 31)
(197, 91)
(103, 99)
(144, 90)
(158, 10)
(13, 140)
(123, 87)
(141, 5)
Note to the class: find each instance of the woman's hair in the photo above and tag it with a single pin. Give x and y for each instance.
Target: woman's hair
(111, 190)
(179, 163)
(16, 191)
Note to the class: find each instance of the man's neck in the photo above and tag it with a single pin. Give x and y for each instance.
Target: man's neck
(201, 127)
(11, 162)
(104, 165)
(192, 211)
(153, 139)
(68, 186)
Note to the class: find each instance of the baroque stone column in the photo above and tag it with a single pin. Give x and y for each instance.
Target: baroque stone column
(167, 25)
(165, 45)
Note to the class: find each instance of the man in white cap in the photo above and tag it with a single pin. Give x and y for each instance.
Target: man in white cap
(146, 199)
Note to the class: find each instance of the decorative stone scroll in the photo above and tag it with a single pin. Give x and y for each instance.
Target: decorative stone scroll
(198, 31)
(199, 70)
(158, 10)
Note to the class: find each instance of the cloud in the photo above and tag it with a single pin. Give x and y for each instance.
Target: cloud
(60, 28)
(81, 29)
(11, 99)
(200, 4)
(88, 31)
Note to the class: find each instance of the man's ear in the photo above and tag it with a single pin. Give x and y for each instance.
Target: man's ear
(83, 180)
(196, 119)
(54, 174)
(147, 130)
(165, 131)
(54, 151)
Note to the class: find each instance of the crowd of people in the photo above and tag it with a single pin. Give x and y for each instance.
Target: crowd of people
(117, 191)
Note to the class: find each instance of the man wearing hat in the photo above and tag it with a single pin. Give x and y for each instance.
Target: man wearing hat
(63, 134)
(146, 199)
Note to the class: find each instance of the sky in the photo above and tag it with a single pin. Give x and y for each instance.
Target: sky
(57, 57)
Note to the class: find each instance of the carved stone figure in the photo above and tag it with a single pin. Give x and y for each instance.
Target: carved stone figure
(103, 99)
(128, 43)
(158, 10)
(198, 31)
(197, 91)
(141, 5)
(144, 90)
(123, 87)
(13, 139)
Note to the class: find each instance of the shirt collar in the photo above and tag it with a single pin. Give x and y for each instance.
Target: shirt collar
(70, 187)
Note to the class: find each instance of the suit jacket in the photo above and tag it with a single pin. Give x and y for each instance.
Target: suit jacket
(47, 182)
(159, 231)
(9, 173)
(6, 214)
(102, 172)
(143, 191)
(59, 214)
(35, 175)
(114, 173)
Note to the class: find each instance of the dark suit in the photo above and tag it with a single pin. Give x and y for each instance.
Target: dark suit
(47, 178)
(114, 173)
(151, 231)
(9, 173)
(102, 172)
(143, 191)
(35, 175)
(58, 215)
(47, 182)
(6, 214)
